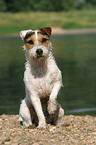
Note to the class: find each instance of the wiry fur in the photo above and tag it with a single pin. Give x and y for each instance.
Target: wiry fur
(42, 79)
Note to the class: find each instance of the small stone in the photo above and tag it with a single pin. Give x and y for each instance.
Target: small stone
(21, 142)
(94, 133)
(65, 124)
(7, 139)
(31, 127)
(1, 142)
(8, 143)
(82, 137)
(35, 143)
(91, 141)
(52, 129)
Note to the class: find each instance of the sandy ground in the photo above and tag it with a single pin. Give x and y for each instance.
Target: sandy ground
(72, 130)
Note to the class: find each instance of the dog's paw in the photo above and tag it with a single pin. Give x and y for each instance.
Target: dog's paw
(52, 106)
(42, 125)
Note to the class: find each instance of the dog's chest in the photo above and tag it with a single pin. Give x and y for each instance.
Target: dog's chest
(40, 79)
(43, 85)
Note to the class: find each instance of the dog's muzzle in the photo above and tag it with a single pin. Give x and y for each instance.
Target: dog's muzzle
(39, 52)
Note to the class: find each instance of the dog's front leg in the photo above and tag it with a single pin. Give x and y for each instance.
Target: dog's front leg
(38, 108)
(34, 99)
(52, 106)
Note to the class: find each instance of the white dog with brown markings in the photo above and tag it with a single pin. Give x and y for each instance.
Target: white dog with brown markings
(42, 80)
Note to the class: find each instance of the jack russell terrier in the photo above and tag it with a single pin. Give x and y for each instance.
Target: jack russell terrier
(42, 79)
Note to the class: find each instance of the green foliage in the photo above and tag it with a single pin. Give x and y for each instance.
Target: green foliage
(57, 5)
(91, 1)
(2, 6)
(79, 4)
(45, 5)
(72, 25)
(19, 5)
(67, 4)
(42, 5)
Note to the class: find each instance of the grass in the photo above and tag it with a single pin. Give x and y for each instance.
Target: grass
(11, 23)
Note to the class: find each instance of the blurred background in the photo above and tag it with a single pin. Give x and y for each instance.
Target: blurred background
(74, 48)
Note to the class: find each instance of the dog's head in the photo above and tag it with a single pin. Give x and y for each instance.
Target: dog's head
(37, 43)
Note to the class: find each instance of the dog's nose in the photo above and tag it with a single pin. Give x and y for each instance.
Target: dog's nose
(39, 51)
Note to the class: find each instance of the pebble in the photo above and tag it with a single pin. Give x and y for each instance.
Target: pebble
(7, 139)
(35, 144)
(52, 129)
(82, 137)
(21, 142)
(83, 127)
(94, 133)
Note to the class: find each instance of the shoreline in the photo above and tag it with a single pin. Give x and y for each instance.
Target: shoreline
(71, 130)
(60, 31)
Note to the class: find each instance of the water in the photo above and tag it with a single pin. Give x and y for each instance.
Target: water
(76, 58)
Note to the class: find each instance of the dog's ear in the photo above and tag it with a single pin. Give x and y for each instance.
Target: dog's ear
(24, 32)
(47, 30)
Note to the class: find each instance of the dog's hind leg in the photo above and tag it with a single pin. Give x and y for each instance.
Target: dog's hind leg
(24, 113)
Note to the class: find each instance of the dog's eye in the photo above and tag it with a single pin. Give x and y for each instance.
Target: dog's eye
(44, 40)
(30, 42)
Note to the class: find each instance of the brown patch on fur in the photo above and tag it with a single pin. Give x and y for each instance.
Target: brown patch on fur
(50, 118)
(46, 31)
(33, 38)
(29, 34)
(41, 38)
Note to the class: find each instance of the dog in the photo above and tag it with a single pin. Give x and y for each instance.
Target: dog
(42, 79)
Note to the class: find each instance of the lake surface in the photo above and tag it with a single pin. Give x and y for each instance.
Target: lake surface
(76, 58)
